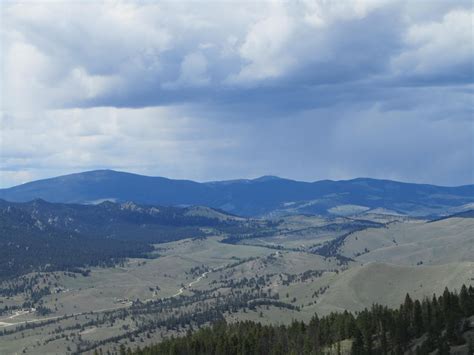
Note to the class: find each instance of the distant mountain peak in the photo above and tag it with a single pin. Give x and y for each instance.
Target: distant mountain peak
(266, 178)
(39, 201)
(100, 173)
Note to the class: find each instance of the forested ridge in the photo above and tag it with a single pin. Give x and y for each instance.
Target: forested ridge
(419, 327)
(43, 236)
(26, 246)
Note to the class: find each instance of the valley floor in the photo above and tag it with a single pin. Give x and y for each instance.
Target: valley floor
(270, 280)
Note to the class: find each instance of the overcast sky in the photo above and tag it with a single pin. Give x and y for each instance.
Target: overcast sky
(200, 90)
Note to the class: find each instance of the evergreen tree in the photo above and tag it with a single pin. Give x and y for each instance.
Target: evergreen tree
(376, 331)
(358, 344)
(470, 348)
(417, 319)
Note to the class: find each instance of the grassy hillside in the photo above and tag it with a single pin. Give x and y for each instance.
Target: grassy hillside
(386, 284)
(416, 242)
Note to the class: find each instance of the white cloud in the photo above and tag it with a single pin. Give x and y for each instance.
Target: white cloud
(265, 47)
(74, 51)
(193, 72)
(25, 78)
(321, 13)
(437, 47)
(92, 85)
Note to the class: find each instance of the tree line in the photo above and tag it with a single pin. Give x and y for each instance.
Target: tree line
(436, 323)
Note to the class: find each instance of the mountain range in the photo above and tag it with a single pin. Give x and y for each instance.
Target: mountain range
(265, 196)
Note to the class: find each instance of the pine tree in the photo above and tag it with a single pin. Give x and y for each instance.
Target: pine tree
(417, 319)
(358, 344)
(443, 346)
(464, 302)
(470, 348)
(379, 330)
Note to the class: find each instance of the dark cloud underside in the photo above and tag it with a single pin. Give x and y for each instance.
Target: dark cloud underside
(204, 90)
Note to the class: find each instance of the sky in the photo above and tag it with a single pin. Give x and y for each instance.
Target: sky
(201, 90)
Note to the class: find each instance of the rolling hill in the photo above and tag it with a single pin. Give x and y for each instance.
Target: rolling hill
(265, 196)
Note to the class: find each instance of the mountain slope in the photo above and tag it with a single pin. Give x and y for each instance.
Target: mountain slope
(40, 235)
(27, 244)
(124, 221)
(263, 196)
(387, 284)
(443, 241)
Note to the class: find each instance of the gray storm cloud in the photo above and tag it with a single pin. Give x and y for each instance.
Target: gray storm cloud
(307, 90)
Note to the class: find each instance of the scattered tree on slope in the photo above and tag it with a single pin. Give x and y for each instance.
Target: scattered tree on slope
(440, 321)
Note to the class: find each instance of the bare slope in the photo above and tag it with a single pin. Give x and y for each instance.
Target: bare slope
(361, 286)
(411, 243)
